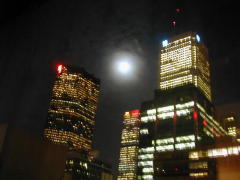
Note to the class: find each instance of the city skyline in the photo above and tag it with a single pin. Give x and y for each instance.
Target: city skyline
(40, 35)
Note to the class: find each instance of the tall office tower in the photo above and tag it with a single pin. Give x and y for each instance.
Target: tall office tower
(72, 110)
(180, 117)
(184, 60)
(129, 146)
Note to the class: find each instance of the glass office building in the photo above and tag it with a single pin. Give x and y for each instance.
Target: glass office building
(184, 60)
(129, 146)
(180, 117)
(72, 109)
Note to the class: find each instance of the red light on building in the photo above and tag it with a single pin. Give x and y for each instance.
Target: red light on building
(60, 68)
(195, 115)
(135, 113)
(212, 129)
(174, 23)
(205, 122)
(175, 116)
(178, 10)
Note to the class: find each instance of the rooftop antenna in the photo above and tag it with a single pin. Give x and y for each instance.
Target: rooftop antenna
(174, 24)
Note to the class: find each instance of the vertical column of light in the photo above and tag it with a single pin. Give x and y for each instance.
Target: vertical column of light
(146, 153)
(163, 55)
(159, 68)
(131, 148)
(135, 116)
(164, 65)
(194, 62)
(174, 124)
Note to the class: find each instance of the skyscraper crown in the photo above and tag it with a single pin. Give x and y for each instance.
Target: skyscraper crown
(184, 60)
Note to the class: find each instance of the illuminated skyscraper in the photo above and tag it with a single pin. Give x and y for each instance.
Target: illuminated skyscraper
(184, 60)
(72, 110)
(129, 146)
(180, 117)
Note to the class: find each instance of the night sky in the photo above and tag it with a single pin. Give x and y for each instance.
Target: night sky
(35, 36)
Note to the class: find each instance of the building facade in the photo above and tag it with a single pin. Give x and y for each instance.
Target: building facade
(129, 146)
(72, 109)
(184, 60)
(180, 117)
(225, 154)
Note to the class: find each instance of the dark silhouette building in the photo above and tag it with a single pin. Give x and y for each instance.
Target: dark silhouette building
(81, 165)
(25, 155)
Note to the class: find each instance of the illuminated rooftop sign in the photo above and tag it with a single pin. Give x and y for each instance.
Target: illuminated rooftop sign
(164, 43)
(198, 38)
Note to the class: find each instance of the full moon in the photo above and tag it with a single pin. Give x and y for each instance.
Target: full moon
(124, 63)
(124, 67)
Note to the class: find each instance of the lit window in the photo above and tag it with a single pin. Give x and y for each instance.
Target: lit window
(182, 146)
(144, 131)
(229, 119)
(198, 165)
